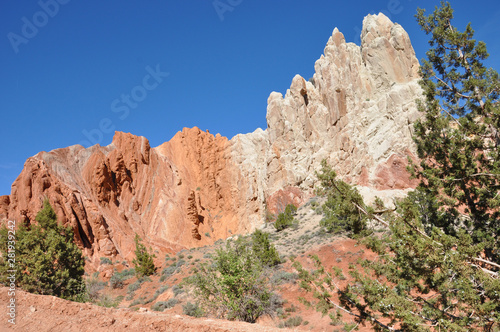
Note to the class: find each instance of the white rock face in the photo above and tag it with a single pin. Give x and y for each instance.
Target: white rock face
(357, 113)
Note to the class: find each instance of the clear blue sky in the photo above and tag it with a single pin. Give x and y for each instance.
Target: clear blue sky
(67, 69)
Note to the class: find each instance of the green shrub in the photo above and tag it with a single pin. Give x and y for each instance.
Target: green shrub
(133, 287)
(137, 301)
(234, 286)
(47, 259)
(162, 305)
(168, 271)
(283, 277)
(161, 290)
(303, 239)
(192, 310)
(143, 261)
(285, 219)
(291, 322)
(93, 287)
(144, 279)
(118, 278)
(128, 273)
(107, 301)
(106, 261)
(340, 210)
(291, 209)
(264, 250)
(116, 281)
(177, 290)
(171, 303)
(136, 285)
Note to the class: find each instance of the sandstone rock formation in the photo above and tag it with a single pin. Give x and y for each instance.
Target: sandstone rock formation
(356, 112)
(360, 103)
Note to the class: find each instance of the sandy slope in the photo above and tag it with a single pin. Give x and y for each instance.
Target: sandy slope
(48, 313)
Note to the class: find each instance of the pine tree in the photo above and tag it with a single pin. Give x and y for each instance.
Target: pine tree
(286, 218)
(47, 259)
(341, 208)
(264, 250)
(143, 261)
(458, 139)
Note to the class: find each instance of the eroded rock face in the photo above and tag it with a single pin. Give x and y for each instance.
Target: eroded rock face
(357, 112)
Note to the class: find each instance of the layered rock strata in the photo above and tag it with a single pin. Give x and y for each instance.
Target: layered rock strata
(357, 112)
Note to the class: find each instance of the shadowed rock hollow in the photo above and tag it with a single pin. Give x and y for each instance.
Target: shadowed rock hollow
(357, 112)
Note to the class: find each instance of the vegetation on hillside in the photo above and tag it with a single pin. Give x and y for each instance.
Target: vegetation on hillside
(143, 261)
(236, 286)
(340, 211)
(438, 263)
(45, 257)
(262, 248)
(285, 219)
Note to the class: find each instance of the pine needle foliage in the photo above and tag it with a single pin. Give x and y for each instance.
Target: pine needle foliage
(340, 214)
(143, 261)
(47, 259)
(286, 218)
(458, 138)
(264, 250)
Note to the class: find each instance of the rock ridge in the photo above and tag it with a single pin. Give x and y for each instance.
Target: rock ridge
(357, 112)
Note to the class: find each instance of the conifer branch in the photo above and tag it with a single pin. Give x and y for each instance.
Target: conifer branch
(486, 261)
(476, 175)
(468, 69)
(382, 221)
(363, 315)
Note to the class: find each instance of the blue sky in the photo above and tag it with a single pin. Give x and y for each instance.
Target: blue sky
(74, 71)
